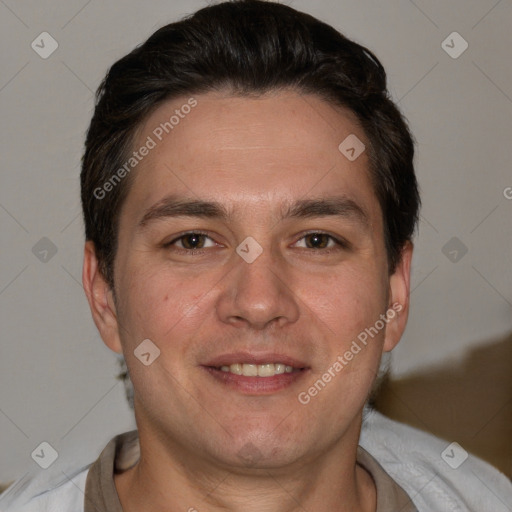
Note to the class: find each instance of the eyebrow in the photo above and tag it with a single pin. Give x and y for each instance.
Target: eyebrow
(336, 206)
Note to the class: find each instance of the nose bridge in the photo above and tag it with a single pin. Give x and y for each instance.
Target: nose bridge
(256, 292)
(257, 269)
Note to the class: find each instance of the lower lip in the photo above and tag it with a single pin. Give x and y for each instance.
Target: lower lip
(256, 385)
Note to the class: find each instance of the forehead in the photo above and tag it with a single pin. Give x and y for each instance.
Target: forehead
(250, 153)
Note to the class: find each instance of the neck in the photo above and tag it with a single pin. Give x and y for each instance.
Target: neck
(170, 477)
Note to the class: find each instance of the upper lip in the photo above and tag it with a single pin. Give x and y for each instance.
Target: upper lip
(252, 358)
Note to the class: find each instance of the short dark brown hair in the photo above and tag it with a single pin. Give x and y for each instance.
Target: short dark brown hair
(248, 47)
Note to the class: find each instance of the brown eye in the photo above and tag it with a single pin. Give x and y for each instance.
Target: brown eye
(193, 241)
(190, 241)
(318, 240)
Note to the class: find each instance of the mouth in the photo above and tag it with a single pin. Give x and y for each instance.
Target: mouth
(256, 375)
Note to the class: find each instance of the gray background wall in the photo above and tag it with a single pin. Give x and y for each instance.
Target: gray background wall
(56, 377)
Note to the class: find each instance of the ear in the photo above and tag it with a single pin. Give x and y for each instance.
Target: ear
(398, 306)
(101, 300)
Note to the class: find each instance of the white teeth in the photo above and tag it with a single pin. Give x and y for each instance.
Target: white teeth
(266, 370)
(279, 368)
(236, 368)
(250, 370)
(257, 370)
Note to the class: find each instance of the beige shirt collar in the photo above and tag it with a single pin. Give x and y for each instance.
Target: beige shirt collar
(122, 452)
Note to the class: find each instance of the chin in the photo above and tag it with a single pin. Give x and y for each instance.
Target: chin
(260, 448)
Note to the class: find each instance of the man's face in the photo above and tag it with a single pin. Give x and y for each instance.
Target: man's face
(211, 299)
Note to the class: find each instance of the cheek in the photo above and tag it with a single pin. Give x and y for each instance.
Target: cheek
(160, 303)
(345, 302)
(346, 306)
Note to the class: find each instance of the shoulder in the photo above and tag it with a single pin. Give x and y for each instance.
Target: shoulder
(55, 489)
(437, 474)
(61, 487)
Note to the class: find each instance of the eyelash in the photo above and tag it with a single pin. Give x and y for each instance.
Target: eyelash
(340, 243)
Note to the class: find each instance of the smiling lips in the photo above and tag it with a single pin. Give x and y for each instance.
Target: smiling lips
(253, 373)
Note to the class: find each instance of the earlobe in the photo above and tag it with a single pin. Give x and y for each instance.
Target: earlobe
(398, 307)
(99, 296)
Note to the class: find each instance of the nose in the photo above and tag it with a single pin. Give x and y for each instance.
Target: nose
(258, 294)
